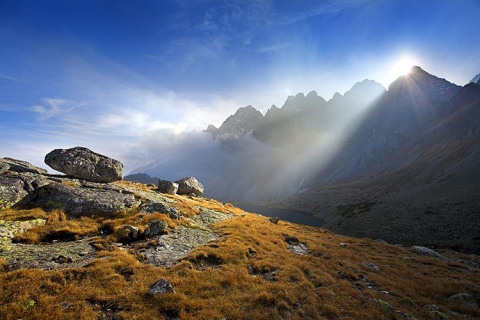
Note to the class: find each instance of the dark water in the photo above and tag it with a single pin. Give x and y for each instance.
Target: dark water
(299, 217)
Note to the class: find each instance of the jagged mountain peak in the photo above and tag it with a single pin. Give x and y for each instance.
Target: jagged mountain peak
(337, 96)
(366, 84)
(243, 121)
(421, 84)
(211, 129)
(298, 102)
(359, 96)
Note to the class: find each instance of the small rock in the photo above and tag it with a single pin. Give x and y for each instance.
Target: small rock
(165, 186)
(155, 227)
(127, 234)
(342, 244)
(274, 220)
(299, 249)
(62, 259)
(372, 266)
(423, 251)
(161, 286)
(173, 213)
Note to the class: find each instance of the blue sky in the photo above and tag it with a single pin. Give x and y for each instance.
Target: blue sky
(110, 75)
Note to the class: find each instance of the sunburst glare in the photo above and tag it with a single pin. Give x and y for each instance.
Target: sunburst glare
(403, 66)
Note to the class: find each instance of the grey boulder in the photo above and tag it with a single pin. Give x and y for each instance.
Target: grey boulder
(190, 185)
(82, 163)
(165, 186)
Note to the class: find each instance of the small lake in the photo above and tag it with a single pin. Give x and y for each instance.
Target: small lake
(299, 217)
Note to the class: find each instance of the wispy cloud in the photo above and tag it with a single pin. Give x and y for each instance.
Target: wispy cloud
(50, 108)
(274, 47)
(10, 78)
(323, 8)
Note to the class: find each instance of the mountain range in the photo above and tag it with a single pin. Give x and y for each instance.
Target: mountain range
(401, 164)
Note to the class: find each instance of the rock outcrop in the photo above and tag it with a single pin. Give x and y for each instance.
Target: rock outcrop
(82, 163)
(79, 201)
(190, 185)
(22, 185)
(9, 164)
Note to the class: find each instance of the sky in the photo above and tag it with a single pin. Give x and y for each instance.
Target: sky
(111, 74)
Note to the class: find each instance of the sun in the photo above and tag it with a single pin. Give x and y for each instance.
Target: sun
(402, 66)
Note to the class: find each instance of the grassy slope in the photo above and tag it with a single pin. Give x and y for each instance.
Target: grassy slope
(213, 282)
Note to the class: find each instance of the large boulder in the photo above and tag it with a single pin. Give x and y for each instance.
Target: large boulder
(82, 163)
(165, 186)
(189, 185)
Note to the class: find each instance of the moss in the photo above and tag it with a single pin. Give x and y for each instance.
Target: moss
(4, 204)
(9, 229)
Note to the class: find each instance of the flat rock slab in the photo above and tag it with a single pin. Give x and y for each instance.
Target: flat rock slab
(13, 165)
(46, 256)
(82, 163)
(77, 202)
(178, 244)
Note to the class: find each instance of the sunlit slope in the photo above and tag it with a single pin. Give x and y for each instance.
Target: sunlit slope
(256, 269)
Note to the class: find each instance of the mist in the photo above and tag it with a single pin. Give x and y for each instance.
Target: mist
(280, 156)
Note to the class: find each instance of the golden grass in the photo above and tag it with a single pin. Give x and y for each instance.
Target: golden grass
(214, 282)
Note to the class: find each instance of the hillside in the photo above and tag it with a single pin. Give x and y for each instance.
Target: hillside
(113, 249)
(250, 269)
